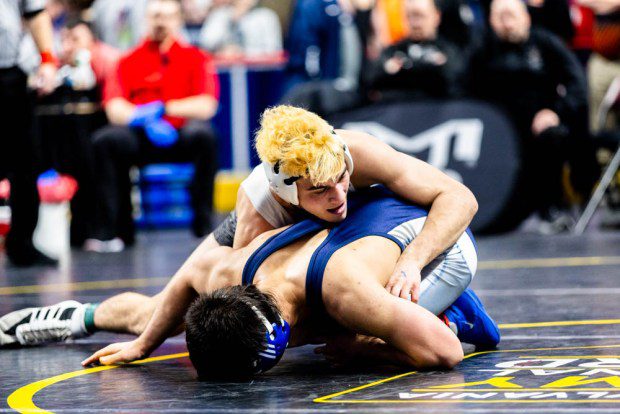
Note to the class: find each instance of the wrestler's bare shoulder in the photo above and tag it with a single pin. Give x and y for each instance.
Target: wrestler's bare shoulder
(369, 260)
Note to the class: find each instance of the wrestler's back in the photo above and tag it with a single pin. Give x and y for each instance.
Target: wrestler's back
(368, 261)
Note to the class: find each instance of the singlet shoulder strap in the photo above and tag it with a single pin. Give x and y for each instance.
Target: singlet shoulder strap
(277, 242)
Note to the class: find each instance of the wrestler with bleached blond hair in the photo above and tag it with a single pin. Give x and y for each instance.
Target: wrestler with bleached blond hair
(307, 169)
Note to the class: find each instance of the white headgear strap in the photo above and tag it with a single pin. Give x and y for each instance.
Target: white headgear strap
(284, 186)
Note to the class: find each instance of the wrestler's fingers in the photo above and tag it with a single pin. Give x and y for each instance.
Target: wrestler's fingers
(390, 284)
(397, 289)
(408, 288)
(116, 358)
(95, 357)
(415, 293)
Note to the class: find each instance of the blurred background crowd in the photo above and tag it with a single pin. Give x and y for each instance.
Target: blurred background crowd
(142, 82)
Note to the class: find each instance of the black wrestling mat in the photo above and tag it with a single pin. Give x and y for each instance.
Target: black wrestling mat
(555, 297)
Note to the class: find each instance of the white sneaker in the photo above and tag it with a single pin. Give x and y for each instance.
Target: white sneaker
(115, 245)
(56, 323)
(10, 322)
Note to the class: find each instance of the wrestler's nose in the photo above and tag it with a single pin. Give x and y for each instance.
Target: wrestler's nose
(339, 193)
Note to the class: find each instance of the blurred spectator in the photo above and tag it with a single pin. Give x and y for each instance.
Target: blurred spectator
(389, 23)
(194, 14)
(421, 66)
(159, 101)
(88, 61)
(583, 22)
(240, 28)
(462, 23)
(539, 82)
(323, 43)
(67, 144)
(554, 16)
(119, 23)
(551, 15)
(284, 10)
(18, 154)
(58, 12)
(604, 63)
(328, 95)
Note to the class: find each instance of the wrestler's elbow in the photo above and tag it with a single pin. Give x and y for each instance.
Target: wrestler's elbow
(470, 201)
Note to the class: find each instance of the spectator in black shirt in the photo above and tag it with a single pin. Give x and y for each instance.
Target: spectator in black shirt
(539, 82)
(421, 66)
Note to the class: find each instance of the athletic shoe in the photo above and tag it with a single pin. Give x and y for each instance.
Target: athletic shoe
(116, 245)
(473, 323)
(56, 323)
(10, 322)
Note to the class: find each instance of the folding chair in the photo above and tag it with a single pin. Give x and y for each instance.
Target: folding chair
(610, 101)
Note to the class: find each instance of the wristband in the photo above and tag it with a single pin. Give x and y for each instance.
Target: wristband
(48, 57)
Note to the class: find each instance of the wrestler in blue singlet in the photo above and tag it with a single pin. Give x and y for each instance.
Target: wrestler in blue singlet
(378, 212)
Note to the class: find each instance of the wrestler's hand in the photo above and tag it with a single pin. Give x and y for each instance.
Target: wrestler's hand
(339, 349)
(405, 281)
(118, 353)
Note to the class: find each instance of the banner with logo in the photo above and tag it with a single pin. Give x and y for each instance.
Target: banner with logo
(469, 140)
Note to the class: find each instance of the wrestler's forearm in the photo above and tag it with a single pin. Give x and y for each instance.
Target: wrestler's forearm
(174, 301)
(448, 218)
(168, 315)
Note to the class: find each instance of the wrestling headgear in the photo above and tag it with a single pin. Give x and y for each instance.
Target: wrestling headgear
(277, 336)
(284, 185)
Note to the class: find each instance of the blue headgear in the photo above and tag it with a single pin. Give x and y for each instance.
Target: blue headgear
(277, 337)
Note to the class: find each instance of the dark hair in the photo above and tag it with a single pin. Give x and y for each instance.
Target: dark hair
(75, 21)
(224, 334)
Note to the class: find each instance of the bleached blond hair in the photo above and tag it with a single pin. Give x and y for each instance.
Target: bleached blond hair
(302, 142)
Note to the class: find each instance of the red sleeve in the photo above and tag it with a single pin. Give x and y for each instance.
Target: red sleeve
(206, 80)
(113, 83)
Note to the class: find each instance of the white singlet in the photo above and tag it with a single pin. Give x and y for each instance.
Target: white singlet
(256, 187)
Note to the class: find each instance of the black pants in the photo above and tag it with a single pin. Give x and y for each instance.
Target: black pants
(117, 148)
(18, 158)
(66, 143)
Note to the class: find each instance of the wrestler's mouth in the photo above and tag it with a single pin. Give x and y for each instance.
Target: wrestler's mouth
(338, 210)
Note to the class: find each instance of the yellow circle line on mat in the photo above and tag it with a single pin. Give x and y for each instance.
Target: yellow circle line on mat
(21, 400)
(161, 281)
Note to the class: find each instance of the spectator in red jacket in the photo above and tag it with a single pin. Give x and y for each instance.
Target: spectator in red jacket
(158, 101)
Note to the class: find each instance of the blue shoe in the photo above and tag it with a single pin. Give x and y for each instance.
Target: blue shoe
(473, 323)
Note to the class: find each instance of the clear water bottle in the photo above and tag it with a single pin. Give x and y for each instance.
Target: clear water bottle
(82, 76)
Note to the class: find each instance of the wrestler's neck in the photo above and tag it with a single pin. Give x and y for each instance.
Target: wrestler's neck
(222, 268)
